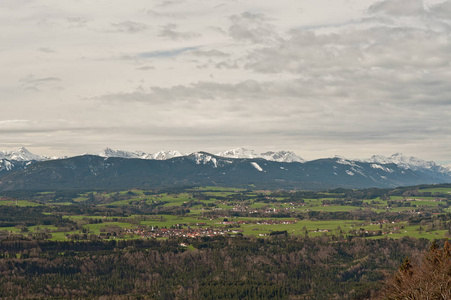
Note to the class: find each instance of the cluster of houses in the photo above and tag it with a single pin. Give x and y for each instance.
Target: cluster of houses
(178, 232)
(382, 231)
(259, 222)
(184, 230)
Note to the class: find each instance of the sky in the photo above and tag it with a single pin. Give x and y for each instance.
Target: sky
(321, 78)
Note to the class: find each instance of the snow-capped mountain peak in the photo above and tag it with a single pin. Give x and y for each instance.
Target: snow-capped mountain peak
(405, 162)
(280, 156)
(108, 152)
(203, 158)
(238, 153)
(161, 155)
(21, 154)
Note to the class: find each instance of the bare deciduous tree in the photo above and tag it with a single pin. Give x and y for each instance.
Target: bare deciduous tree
(431, 279)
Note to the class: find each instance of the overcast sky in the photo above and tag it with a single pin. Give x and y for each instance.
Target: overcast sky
(320, 78)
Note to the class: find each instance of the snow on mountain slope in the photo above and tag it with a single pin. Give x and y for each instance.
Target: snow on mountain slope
(11, 160)
(5, 165)
(255, 165)
(162, 155)
(203, 158)
(280, 156)
(343, 161)
(406, 162)
(201, 168)
(376, 166)
(21, 154)
(108, 152)
(238, 153)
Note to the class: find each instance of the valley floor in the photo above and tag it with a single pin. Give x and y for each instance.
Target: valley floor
(214, 243)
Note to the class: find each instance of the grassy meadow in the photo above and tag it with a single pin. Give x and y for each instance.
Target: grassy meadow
(238, 211)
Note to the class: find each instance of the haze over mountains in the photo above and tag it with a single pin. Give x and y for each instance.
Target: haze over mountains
(238, 167)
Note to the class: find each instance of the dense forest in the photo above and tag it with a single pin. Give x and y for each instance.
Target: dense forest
(278, 267)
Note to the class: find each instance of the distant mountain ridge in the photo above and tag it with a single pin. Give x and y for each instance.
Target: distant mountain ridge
(21, 154)
(18, 160)
(406, 162)
(201, 168)
(161, 155)
(283, 169)
(280, 156)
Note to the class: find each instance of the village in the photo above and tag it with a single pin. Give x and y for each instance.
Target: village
(199, 229)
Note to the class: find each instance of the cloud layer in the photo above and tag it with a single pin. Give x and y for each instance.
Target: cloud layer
(368, 77)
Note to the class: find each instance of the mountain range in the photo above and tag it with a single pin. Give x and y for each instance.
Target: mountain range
(280, 156)
(117, 169)
(22, 154)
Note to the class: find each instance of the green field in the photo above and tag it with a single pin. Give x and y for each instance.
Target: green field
(436, 190)
(19, 203)
(211, 205)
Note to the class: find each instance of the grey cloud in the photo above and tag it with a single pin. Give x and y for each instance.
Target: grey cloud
(228, 64)
(249, 89)
(170, 31)
(217, 30)
(145, 68)
(165, 53)
(372, 109)
(167, 3)
(46, 50)
(210, 53)
(124, 97)
(316, 94)
(33, 83)
(46, 23)
(442, 10)
(13, 122)
(44, 126)
(129, 27)
(214, 59)
(15, 131)
(12, 4)
(225, 97)
(77, 21)
(158, 14)
(363, 107)
(157, 54)
(252, 27)
(401, 50)
(398, 7)
(189, 126)
(32, 79)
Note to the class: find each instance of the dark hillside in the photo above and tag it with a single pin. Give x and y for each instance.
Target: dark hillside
(94, 172)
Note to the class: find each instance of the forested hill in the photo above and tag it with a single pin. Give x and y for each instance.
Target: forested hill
(218, 268)
(95, 172)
